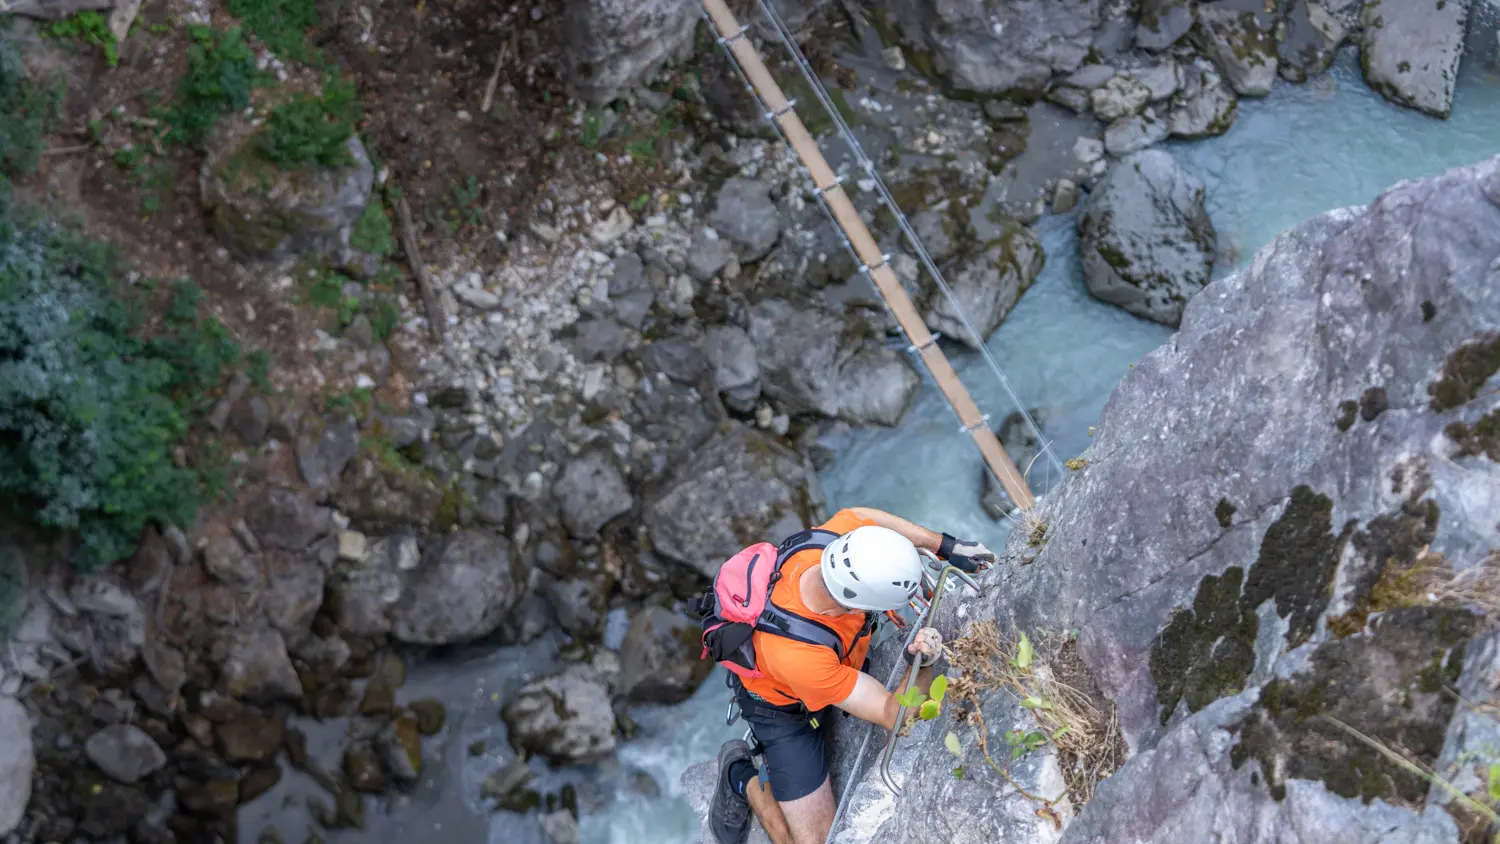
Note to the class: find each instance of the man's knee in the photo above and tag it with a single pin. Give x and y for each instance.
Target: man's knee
(811, 817)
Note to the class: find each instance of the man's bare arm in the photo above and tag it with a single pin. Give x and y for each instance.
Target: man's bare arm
(919, 536)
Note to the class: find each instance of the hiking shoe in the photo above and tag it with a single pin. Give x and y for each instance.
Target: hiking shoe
(729, 814)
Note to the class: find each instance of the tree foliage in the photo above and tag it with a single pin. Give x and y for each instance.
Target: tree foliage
(26, 109)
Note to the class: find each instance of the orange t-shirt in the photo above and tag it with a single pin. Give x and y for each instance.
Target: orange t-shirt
(797, 671)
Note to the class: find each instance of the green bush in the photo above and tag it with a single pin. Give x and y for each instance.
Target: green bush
(12, 591)
(281, 25)
(372, 232)
(89, 28)
(311, 130)
(89, 412)
(220, 74)
(26, 111)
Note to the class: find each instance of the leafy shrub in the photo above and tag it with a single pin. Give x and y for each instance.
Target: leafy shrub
(89, 28)
(311, 130)
(88, 416)
(372, 232)
(220, 74)
(281, 25)
(12, 591)
(26, 110)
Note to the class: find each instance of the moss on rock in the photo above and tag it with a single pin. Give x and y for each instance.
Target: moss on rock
(1465, 372)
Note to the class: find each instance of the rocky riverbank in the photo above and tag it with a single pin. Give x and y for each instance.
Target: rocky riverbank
(637, 360)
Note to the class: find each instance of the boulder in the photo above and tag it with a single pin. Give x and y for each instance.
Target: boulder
(660, 659)
(739, 488)
(267, 212)
(1120, 97)
(256, 667)
(615, 45)
(250, 738)
(400, 746)
(989, 285)
(226, 559)
(744, 213)
(813, 361)
(994, 47)
(124, 753)
(385, 493)
(1135, 133)
(681, 360)
(16, 763)
(1163, 22)
(1312, 33)
(581, 603)
(565, 718)
(462, 591)
(1411, 50)
(1204, 107)
(1147, 242)
(323, 451)
(591, 492)
(293, 595)
(1237, 36)
(707, 255)
(736, 369)
(287, 519)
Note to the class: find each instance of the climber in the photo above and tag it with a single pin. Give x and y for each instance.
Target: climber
(871, 566)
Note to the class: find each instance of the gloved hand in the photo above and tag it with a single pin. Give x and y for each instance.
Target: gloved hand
(928, 646)
(967, 555)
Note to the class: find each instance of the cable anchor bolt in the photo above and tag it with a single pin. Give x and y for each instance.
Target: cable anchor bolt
(774, 113)
(885, 260)
(932, 340)
(969, 429)
(726, 40)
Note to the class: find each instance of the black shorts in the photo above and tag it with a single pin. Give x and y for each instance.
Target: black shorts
(793, 744)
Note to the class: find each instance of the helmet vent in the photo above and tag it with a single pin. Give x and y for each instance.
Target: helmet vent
(847, 564)
(853, 575)
(850, 593)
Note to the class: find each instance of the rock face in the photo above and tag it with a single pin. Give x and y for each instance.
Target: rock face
(591, 492)
(812, 361)
(462, 591)
(256, 667)
(736, 369)
(1411, 51)
(988, 286)
(264, 211)
(1163, 22)
(1236, 35)
(744, 213)
(565, 717)
(660, 659)
(618, 44)
(1297, 460)
(739, 488)
(1148, 245)
(16, 763)
(994, 47)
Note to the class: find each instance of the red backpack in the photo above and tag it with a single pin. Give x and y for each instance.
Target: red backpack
(740, 603)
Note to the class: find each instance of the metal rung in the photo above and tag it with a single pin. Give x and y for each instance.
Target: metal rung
(823, 191)
(775, 113)
(885, 260)
(969, 429)
(931, 341)
(730, 39)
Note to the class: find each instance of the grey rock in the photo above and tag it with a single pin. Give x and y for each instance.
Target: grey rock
(1472, 731)
(616, 45)
(412, 428)
(462, 591)
(1147, 242)
(1312, 33)
(166, 665)
(660, 658)
(17, 763)
(1076, 99)
(988, 286)
(560, 827)
(997, 47)
(476, 297)
(736, 369)
(707, 255)
(809, 359)
(599, 339)
(631, 309)
(1237, 37)
(294, 593)
(1133, 134)
(591, 492)
(322, 455)
(1090, 77)
(177, 545)
(219, 416)
(566, 717)
(124, 752)
(1120, 97)
(256, 667)
(627, 274)
(1163, 23)
(288, 519)
(1205, 107)
(251, 419)
(581, 603)
(744, 213)
(680, 360)
(279, 212)
(739, 487)
(226, 559)
(360, 332)
(381, 496)
(1411, 51)
(1065, 197)
(1161, 81)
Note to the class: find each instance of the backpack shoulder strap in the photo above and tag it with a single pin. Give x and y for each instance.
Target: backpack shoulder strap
(789, 625)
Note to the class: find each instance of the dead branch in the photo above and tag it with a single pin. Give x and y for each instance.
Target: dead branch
(435, 319)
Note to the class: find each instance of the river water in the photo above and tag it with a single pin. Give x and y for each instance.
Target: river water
(1302, 151)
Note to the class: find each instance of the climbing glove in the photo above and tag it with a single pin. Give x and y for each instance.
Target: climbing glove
(967, 555)
(927, 646)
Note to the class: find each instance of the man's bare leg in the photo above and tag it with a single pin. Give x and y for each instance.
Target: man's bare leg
(810, 817)
(768, 812)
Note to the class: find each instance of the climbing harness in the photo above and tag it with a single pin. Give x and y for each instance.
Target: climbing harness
(827, 187)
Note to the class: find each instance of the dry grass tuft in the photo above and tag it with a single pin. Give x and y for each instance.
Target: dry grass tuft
(1476, 589)
(1058, 690)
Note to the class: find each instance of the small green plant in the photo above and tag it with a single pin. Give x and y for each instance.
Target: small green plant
(281, 25)
(1022, 742)
(87, 28)
(384, 318)
(466, 208)
(928, 705)
(353, 402)
(258, 368)
(312, 130)
(639, 204)
(372, 232)
(27, 110)
(591, 125)
(220, 75)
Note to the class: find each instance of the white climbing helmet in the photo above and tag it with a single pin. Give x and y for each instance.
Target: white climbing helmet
(872, 568)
